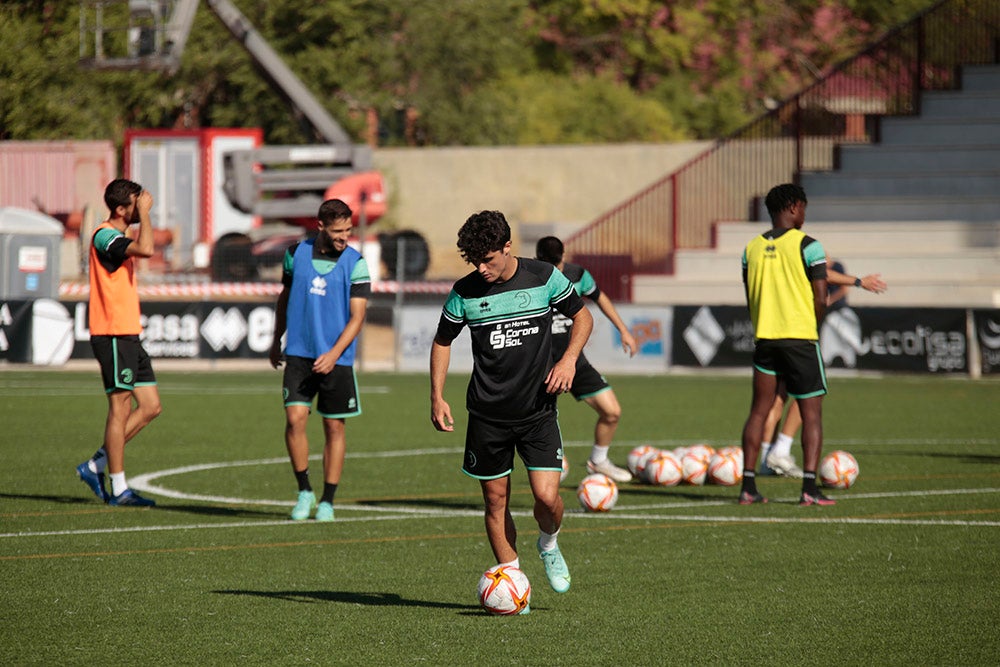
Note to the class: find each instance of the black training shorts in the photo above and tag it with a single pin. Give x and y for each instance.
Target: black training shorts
(797, 362)
(337, 390)
(123, 361)
(587, 382)
(490, 445)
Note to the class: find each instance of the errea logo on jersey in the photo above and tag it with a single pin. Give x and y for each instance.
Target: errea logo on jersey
(510, 334)
(318, 286)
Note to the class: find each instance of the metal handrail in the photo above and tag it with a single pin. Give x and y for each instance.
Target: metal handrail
(802, 133)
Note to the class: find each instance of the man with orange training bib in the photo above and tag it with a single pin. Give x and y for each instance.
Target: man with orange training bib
(126, 369)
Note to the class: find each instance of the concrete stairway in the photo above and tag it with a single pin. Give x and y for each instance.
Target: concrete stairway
(943, 164)
(921, 207)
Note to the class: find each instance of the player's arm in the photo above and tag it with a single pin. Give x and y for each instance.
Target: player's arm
(819, 299)
(560, 377)
(610, 312)
(142, 246)
(816, 269)
(326, 361)
(872, 282)
(281, 307)
(440, 359)
(280, 323)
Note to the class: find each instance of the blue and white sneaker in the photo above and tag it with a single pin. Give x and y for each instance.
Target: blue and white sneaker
(95, 480)
(129, 498)
(555, 569)
(304, 506)
(765, 470)
(324, 512)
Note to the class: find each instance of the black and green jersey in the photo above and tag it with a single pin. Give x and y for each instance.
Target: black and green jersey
(510, 324)
(584, 285)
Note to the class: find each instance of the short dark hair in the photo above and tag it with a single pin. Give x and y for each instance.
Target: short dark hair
(119, 193)
(482, 233)
(549, 249)
(333, 209)
(782, 196)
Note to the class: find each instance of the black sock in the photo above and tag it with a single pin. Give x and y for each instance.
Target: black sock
(809, 482)
(749, 482)
(303, 479)
(328, 491)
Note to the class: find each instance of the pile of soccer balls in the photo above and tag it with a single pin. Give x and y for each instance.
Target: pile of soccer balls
(695, 465)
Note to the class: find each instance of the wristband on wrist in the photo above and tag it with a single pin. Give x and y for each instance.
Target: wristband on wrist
(857, 282)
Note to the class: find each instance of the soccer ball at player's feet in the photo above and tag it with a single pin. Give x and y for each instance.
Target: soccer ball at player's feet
(504, 590)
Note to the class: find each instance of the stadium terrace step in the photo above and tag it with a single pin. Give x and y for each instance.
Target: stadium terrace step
(892, 184)
(972, 265)
(939, 104)
(673, 290)
(980, 77)
(972, 208)
(870, 158)
(957, 131)
(852, 238)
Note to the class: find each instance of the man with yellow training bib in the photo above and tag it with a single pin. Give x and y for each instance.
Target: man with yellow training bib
(784, 274)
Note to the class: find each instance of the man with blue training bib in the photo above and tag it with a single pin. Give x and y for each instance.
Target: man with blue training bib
(321, 307)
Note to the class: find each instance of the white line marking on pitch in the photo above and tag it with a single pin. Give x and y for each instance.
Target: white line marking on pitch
(622, 513)
(145, 483)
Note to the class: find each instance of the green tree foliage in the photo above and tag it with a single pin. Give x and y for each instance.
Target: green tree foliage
(462, 72)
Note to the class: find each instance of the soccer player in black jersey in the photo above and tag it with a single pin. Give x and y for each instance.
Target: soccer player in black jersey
(589, 385)
(507, 303)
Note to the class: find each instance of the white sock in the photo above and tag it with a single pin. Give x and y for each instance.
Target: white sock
(599, 454)
(99, 461)
(547, 542)
(783, 445)
(118, 483)
(765, 448)
(514, 563)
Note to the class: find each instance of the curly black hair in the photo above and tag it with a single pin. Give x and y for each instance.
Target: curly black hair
(482, 233)
(782, 197)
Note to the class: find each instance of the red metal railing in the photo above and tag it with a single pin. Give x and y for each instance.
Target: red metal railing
(801, 134)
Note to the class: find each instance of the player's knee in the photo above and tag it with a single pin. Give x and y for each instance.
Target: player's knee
(548, 500)
(153, 411)
(612, 416)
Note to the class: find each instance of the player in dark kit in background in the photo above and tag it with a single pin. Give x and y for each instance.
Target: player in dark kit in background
(589, 386)
(776, 456)
(115, 326)
(324, 296)
(784, 273)
(507, 303)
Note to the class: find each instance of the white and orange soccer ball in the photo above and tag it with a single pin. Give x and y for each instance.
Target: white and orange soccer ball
(730, 449)
(664, 469)
(694, 468)
(597, 493)
(638, 457)
(838, 470)
(701, 450)
(504, 590)
(725, 469)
